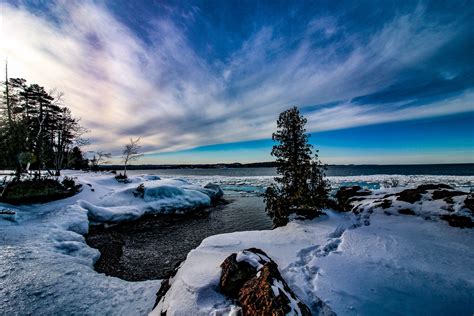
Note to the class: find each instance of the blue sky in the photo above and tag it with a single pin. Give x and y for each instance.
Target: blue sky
(204, 81)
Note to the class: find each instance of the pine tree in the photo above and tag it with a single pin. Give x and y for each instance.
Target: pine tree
(300, 188)
(35, 128)
(76, 159)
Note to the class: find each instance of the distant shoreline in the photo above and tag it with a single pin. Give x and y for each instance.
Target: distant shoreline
(270, 164)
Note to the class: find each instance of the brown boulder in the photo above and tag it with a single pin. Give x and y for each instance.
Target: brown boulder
(268, 294)
(234, 275)
(254, 280)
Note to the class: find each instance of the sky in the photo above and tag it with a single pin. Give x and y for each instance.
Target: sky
(204, 81)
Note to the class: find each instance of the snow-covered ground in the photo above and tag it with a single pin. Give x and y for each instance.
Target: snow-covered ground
(47, 268)
(396, 265)
(366, 264)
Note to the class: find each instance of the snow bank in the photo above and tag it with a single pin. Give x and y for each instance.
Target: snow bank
(117, 202)
(372, 263)
(46, 266)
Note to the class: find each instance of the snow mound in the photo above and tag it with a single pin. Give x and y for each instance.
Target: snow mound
(125, 202)
(111, 214)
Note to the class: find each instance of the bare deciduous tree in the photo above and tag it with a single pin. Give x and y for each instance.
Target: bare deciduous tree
(100, 158)
(130, 153)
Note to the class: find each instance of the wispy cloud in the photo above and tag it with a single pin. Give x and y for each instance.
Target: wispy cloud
(163, 88)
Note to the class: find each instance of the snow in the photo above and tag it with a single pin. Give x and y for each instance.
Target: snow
(277, 288)
(358, 264)
(46, 266)
(8, 214)
(252, 258)
(113, 202)
(258, 184)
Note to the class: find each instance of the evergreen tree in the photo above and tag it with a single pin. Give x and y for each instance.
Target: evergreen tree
(76, 159)
(300, 188)
(35, 128)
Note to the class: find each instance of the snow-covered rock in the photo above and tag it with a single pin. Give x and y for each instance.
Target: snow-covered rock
(253, 279)
(119, 202)
(8, 214)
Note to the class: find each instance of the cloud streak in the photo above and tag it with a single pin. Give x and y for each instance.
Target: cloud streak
(164, 87)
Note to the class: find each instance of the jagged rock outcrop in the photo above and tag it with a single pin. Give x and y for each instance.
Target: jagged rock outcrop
(409, 195)
(348, 194)
(469, 202)
(458, 221)
(443, 194)
(253, 279)
(414, 195)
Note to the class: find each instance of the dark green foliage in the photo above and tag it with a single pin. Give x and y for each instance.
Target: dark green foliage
(76, 159)
(300, 189)
(68, 183)
(36, 130)
(37, 191)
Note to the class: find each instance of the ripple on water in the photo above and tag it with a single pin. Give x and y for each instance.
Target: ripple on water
(151, 247)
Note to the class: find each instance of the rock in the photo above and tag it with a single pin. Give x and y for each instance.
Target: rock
(8, 215)
(234, 275)
(346, 195)
(442, 194)
(385, 204)
(406, 211)
(458, 221)
(469, 202)
(140, 191)
(252, 278)
(268, 294)
(36, 191)
(414, 195)
(433, 186)
(409, 195)
(165, 286)
(215, 189)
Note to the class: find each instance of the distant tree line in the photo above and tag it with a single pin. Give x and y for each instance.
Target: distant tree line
(37, 130)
